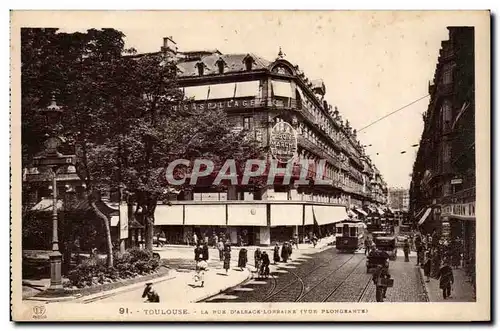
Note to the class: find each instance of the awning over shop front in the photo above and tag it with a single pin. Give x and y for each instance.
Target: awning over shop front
(169, 215)
(247, 215)
(282, 89)
(350, 213)
(371, 209)
(425, 216)
(308, 218)
(205, 215)
(329, 214)
(248, 89)
(284, 215)
(360, 211)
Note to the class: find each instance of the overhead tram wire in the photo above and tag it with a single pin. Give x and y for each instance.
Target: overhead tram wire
(394, 112)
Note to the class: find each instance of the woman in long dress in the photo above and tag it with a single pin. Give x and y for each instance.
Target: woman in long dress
(276, 255)
(227, 256)
(242, 259)
(284, 252)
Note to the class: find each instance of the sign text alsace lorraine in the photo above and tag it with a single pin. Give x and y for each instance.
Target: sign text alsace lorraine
(283, 142)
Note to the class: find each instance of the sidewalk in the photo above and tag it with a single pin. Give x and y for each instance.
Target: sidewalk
(179, 285)
(461, 290)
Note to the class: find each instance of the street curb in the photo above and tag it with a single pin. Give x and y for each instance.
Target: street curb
(99, 296)
(56, 299)
(424, 286)
(219, 291)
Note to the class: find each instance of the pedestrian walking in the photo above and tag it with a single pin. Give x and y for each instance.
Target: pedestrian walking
(406, 250)
(205, 251)
(195, 239)
(379, 278)
(198, 255)
(446, 279)
(314, 240)
(239, 242)
(427, 265)
(276, 255)
(220, 247)
(290, 250)
(256, 257)
(284, 252)
(215, 239)
(242, 259)
(265, 264)
(202, 267)
(227, 256)
(296, 240)
(367, 246)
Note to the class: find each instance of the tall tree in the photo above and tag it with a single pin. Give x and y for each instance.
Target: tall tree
(119, 116)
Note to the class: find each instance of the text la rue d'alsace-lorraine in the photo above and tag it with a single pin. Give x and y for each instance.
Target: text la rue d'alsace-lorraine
(253, 168)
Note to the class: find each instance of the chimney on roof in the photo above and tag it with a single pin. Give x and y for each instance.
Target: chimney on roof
(169, 48)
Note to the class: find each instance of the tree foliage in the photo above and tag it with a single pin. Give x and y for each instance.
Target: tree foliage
(118, 117)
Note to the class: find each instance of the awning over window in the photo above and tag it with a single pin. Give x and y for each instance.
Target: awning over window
(361, 211)
(425, 216)
(221, 91)
(302, 97)
(196, 92)
(248, 89)
(282, 89)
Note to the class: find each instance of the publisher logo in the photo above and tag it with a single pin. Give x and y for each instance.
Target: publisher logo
(39, 312)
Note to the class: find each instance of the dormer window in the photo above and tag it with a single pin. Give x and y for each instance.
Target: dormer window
(221, 64)
(201, 68)
(249, 61)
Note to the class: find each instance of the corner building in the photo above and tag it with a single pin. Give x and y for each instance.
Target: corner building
(257, 94)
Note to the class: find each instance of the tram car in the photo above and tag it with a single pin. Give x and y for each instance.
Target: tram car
(349, 235)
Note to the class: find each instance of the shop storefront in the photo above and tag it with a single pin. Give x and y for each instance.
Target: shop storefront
(246, 222)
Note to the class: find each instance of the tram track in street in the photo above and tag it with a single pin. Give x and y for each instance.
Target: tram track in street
(342, 282)
(365, 289)
(301, 289)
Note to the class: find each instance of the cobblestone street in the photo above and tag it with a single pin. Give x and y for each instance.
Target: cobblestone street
(328, 276)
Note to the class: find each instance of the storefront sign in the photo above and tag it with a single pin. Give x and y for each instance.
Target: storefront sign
(283, 142)
(460, 210)
(227, 104)
(456, 181)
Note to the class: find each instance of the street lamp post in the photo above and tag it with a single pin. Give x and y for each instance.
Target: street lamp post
(52, 160)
